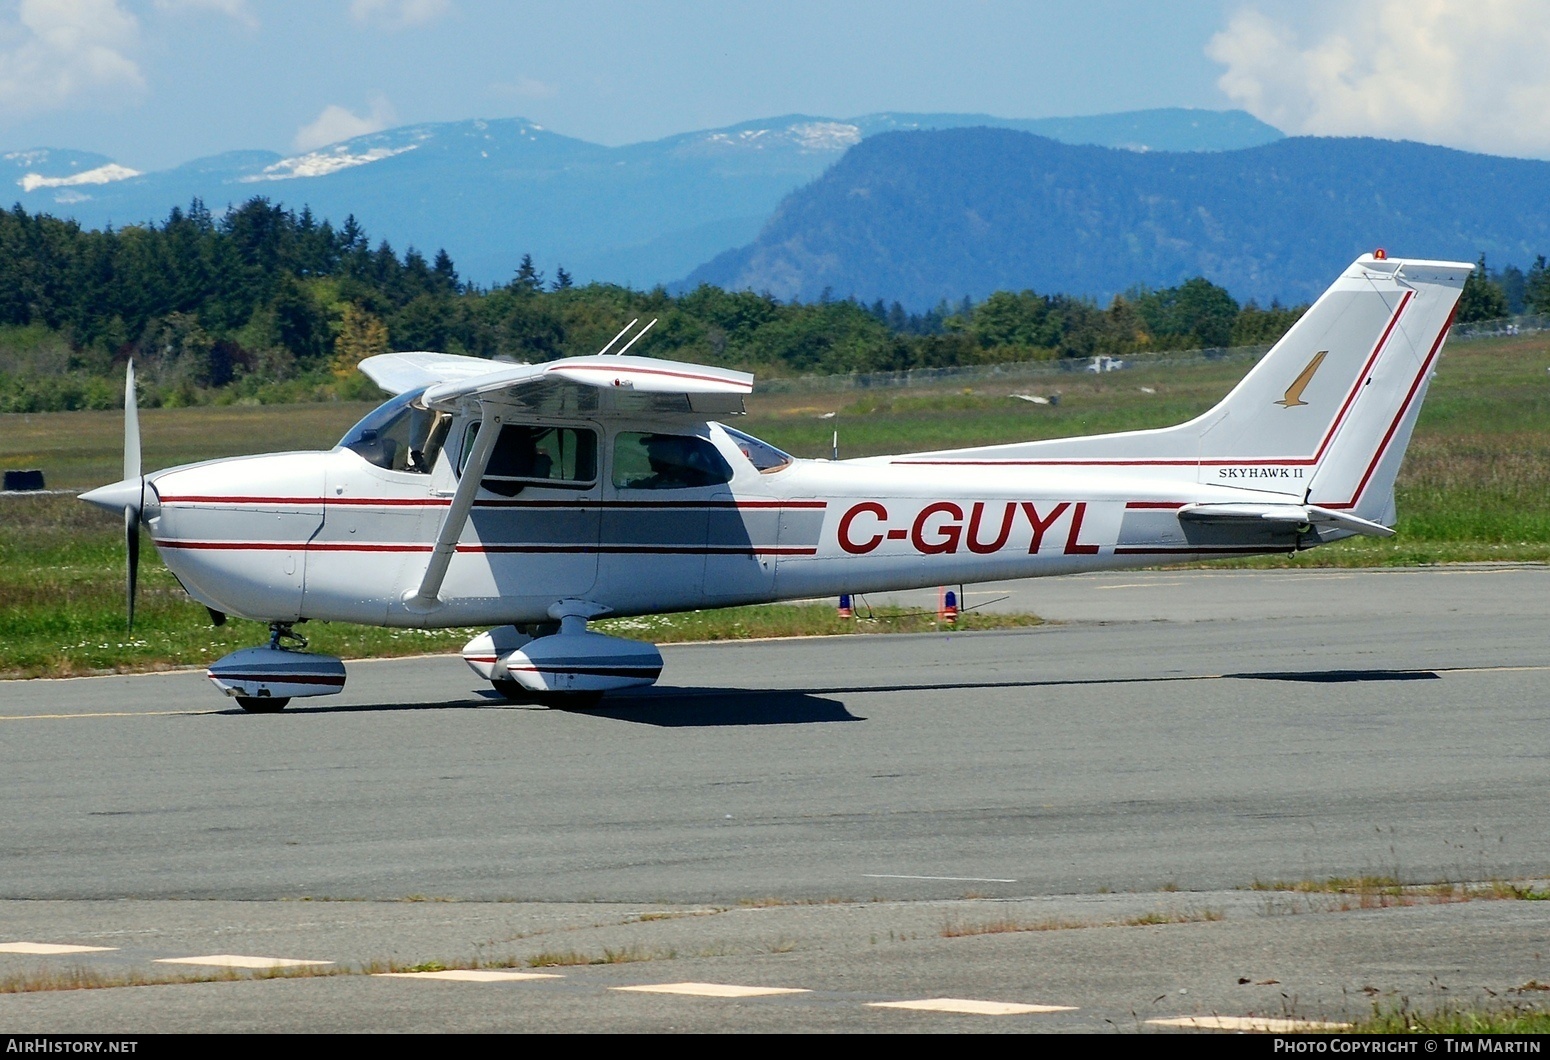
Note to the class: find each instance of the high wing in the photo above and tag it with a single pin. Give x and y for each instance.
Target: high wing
(597, 385)
(573, 385)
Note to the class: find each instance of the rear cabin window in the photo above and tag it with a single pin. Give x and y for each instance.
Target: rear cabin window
(535, 455)
(762, 455)
(666, 462)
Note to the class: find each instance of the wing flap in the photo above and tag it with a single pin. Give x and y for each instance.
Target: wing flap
(1289, 515)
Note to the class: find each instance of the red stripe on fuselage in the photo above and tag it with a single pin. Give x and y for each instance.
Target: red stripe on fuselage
(442, 502)
(497, 549)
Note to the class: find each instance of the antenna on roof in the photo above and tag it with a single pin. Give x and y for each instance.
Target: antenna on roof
(617, 337)
(636, 339)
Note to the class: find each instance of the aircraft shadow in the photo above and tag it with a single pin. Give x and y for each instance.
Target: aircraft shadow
(673, 707)
(705, 707)
(1339, 677)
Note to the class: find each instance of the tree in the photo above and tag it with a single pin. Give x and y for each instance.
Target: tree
(1196, 314)
(1536, 287)
(562, 279)
(446, 275)
(528, 279)
(1483, 298)
(361, 335)
(1513, 285)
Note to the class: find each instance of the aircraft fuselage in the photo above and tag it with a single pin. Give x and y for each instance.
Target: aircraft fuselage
(331, 536)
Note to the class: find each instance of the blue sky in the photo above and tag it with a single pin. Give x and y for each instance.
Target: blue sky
(152, 83)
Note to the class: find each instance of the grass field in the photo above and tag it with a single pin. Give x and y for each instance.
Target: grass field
(1475, 486)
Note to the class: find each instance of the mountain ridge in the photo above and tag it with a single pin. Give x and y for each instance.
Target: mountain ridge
(932, 215)
(490, 190)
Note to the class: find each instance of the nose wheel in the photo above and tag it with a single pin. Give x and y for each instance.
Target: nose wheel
(264, 680)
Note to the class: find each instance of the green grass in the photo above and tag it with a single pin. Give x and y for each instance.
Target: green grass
(1508, 1019)
(1475, 486)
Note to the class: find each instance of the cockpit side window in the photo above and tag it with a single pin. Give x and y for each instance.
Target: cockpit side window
(537, 455)
(666, 462)
(400, 435)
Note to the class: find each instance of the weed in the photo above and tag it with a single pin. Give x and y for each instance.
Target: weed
(623, 955)
(1381, 892)
(1006, 925)
(1460, 1019)
(85, 979)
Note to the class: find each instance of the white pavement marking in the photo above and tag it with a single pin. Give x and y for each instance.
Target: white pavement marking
(1266, 1024)
(49, 948)
(711, 989)
(468, 975)
(950, 879)
(237, 960)
(971, 1007)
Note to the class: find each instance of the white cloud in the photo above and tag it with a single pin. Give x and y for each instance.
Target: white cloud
(397, 14)
(337, 123)
(61, 51)
(236, 10)
(1464, 73)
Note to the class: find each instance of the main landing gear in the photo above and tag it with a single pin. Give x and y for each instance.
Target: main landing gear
(561, 663)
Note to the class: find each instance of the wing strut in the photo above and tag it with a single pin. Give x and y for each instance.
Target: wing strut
(425, 598)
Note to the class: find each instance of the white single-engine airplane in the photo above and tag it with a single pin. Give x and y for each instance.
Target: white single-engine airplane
(534, 498)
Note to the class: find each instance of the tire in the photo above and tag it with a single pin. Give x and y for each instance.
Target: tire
(262, 704)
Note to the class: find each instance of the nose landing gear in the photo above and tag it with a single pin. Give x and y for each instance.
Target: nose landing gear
(264, 680)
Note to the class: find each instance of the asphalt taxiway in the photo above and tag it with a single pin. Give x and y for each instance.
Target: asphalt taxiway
(867, 820)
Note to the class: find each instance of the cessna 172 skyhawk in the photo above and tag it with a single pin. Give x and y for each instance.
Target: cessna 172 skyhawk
(534, 498)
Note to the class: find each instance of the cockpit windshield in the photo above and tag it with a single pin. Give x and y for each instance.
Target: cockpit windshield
(761, 455)
(400, 435)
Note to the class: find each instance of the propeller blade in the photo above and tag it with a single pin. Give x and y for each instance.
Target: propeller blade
(131, 426)
(132, 471)
(132, 542)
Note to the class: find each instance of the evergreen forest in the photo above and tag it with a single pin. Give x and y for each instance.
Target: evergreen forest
(263, 304)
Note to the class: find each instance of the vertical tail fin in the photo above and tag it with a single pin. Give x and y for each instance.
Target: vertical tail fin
(1362, 456)
(1323, 418)
(1320, 413)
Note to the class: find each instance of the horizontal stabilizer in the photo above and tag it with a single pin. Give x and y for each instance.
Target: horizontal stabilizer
(1292, 515)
